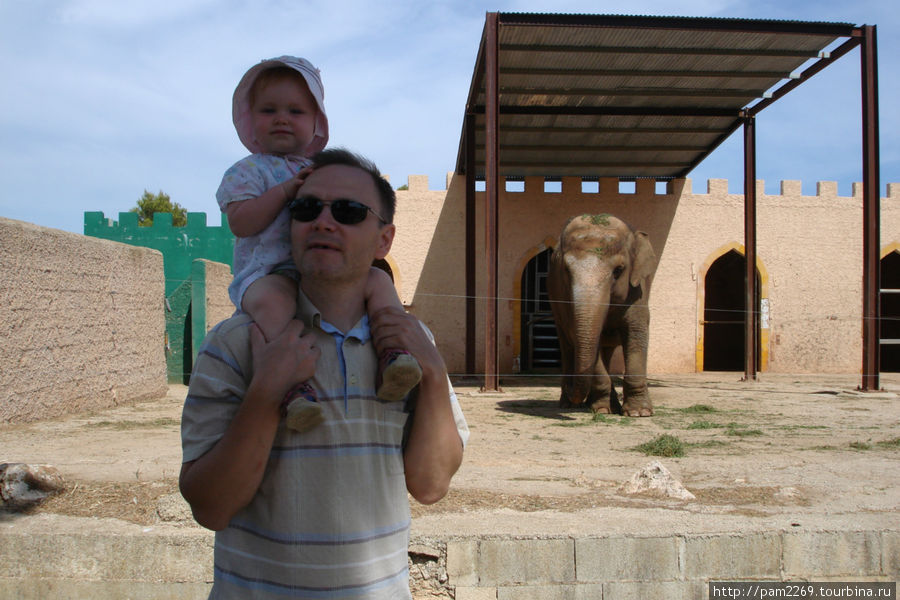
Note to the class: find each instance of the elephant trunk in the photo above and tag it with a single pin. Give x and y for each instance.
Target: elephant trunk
(590, 308)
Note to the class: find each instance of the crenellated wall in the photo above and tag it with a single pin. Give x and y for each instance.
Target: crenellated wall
(809, 260)
(189, 252)
(86, 317)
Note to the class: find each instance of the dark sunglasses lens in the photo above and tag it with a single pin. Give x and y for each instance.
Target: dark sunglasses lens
(348, 212)
(306, 209)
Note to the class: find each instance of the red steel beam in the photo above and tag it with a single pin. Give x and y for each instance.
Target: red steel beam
(871, 211)
(751, 332)
(491, 245)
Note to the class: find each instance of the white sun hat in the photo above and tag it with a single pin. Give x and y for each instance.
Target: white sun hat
(240, 108)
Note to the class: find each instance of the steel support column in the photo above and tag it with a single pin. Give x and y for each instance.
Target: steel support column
(491, 245)
(751, 332)
(470, 244)
(871, 211)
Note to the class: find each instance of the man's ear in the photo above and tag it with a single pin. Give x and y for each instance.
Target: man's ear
(385, 239)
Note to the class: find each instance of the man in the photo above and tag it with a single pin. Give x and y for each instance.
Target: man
(320, 514)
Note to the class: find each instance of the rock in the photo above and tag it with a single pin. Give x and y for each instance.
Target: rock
(22, 486)
(173, 508)
(655, 478)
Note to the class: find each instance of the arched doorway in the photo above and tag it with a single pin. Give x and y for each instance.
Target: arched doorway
(889, 326)
(723, 313)
(385, 266)
(540, 346)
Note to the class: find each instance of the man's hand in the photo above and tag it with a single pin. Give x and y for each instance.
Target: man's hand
(395, 328)
(284, 362)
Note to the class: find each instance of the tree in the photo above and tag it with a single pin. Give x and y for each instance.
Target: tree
(159, 203)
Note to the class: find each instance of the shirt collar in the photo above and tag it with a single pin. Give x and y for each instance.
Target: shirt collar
(312, 317)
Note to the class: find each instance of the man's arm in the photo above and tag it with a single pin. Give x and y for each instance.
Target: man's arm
(434, 449)
(225, 479)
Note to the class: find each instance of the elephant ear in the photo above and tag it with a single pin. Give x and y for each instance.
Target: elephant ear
(643, 259)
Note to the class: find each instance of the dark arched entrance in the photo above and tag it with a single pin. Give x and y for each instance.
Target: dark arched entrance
(889, 326)
(540, 346)
(723, 314)
(384, 266)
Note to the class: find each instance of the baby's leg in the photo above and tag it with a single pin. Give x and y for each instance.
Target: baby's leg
(400, 371)
(272, 302)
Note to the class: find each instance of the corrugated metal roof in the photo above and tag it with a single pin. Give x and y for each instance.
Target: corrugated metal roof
(622, 96)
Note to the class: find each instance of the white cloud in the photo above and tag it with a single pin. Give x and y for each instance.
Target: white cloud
(105, 98)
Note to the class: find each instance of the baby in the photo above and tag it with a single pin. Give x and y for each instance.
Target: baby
(279, 113)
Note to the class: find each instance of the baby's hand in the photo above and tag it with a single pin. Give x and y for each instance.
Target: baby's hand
(292, 186)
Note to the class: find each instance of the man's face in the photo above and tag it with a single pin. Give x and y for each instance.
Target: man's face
(325, 249)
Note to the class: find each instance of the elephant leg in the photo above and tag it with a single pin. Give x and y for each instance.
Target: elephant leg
(603, 399)
(567, 359)
(637, 396)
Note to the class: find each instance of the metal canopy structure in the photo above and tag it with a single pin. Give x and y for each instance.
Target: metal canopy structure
(631, 97)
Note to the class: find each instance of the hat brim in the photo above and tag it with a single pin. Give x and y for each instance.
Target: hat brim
(240, 106)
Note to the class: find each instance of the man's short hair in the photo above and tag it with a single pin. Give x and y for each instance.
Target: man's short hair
(342, 156)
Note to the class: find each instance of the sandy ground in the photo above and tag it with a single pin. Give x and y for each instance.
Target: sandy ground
(784, 451)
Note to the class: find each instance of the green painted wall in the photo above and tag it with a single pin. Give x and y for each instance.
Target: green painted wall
(180, 247)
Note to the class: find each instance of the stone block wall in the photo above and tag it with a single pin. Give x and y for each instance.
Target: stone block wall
(83, 320)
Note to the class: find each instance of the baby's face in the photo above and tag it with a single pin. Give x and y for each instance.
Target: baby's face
(284, 116)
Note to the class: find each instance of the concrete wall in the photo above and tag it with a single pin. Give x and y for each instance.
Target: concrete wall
(809, 260)
(218, 304)
(83, 323)
(121, 560)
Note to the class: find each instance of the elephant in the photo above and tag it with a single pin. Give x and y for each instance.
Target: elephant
(598, 284)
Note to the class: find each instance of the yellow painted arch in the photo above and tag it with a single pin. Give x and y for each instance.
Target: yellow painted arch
(701, 303)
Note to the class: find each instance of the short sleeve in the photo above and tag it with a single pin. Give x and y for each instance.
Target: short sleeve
(218, 384)
(242, 181)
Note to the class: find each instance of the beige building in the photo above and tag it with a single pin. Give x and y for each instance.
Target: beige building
(86, 317)
(809, 269)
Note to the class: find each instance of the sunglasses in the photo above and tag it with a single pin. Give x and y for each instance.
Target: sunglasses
(345, 212)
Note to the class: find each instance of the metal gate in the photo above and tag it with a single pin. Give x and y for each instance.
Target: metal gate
(540, 347)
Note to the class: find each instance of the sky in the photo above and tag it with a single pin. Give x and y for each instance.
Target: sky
(106, 99)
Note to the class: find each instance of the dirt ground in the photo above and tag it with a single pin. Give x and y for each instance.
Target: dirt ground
(784, 447)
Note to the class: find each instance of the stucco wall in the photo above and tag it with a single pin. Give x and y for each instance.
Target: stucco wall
(809, 259)
(218, 304)
(83, 323)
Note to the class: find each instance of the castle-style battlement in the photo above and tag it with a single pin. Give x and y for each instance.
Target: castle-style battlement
(611, 186)
(180, 246)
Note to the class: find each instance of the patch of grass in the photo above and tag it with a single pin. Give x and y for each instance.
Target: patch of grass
(129, 425)
(698, 408)
(796, 427)
(740, 430)
(703, 425)
(893, 444)
(860, 445)
(663, 445)
(707, 444)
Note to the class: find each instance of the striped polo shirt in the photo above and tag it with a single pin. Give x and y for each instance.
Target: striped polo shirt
(331, 516)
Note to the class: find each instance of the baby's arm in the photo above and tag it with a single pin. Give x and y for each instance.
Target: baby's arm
(249, 217)
(380, 292)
